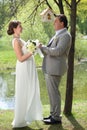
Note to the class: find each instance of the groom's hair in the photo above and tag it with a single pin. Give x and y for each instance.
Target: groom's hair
(63, 19)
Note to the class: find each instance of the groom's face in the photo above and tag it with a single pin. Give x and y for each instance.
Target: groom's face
(57, 24)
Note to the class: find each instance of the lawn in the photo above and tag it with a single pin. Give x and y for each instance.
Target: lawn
(77, 121)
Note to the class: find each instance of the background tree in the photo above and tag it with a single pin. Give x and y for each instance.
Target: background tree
(8, 9)
(70, 73)
(82, 17)
(2, 13)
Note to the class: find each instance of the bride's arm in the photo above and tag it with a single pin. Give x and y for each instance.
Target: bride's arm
(18, 50)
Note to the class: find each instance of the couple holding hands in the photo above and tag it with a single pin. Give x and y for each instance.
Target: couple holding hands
(28, 106)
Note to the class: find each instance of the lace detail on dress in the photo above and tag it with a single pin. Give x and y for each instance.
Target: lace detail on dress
(19, 40)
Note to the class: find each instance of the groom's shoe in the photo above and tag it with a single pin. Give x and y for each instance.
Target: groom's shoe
(47, 117)
(52, 121)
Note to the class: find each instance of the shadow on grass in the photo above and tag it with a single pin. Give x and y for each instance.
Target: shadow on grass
(56, 127)
(74, 122)
(52, 127)
(25, 128)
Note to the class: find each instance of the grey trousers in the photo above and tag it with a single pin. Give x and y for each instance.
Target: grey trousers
(52, 83)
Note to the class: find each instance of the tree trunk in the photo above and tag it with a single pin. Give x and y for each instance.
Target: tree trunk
(70, 73)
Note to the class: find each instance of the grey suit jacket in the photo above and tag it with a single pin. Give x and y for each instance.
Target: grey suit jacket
(56, 54)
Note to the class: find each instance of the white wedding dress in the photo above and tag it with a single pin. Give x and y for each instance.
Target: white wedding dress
(28, 105)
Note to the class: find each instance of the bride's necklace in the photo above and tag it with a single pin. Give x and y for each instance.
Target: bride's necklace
(16, 36)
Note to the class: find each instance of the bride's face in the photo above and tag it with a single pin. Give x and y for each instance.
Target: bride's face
(18, 29)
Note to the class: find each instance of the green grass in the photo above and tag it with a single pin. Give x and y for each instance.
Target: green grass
(77, 121)
(8, 59)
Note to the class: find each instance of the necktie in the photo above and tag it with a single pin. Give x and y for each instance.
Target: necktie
(50, 42)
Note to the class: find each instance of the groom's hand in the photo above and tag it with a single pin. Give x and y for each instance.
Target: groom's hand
(40, 45)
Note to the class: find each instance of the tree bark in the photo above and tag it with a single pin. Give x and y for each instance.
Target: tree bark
(70, 73)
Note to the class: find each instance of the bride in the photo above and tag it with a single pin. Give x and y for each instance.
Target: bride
(28, 106)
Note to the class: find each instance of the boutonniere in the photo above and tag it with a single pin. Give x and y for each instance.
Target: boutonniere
(55, 38)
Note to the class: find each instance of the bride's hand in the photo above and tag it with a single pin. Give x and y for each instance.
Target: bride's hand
(40, 45)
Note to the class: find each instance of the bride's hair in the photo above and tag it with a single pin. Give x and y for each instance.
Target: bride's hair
(13, 24)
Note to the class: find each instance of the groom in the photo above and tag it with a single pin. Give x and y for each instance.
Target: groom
(55, 65)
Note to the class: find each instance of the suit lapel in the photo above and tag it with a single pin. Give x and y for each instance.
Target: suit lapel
(50, 42)
(62, 31)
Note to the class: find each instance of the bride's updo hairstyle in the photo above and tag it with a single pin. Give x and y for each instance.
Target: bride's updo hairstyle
(11, 26)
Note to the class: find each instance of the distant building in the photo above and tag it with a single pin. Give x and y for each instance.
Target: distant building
(47, 15)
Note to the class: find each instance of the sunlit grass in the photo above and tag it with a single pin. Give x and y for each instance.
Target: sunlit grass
(8, 59)
(77, 121)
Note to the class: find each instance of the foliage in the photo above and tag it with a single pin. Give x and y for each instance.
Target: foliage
(80, 47)
(82, 16)
(9, 8)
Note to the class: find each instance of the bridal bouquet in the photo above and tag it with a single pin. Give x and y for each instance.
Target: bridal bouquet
(32, 47)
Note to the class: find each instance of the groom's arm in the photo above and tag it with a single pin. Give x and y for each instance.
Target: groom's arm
(61, 47)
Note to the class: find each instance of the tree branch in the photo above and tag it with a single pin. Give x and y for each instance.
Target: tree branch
(67, 3)
(56, 2)
(48, 4)
(33, 13)
(78, 1)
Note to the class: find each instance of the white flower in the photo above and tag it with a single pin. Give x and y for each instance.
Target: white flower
(31, 46)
